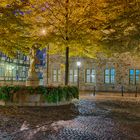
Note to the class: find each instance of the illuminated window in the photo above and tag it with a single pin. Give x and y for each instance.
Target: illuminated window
(9, 70)
(73, 76)
(56, 75)
(90, 76)
(2, 73)
(110, 76)
(22, 73)
(134, 76)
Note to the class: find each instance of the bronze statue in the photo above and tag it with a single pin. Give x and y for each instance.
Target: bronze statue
(33, 61)
(32, 56)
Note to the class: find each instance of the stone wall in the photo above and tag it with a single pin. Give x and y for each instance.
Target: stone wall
(122, 63)
(28, 99)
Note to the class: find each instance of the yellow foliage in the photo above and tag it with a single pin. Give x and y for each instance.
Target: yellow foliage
(77, 24)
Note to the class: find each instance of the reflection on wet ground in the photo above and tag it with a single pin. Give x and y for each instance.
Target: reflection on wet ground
(90, 118)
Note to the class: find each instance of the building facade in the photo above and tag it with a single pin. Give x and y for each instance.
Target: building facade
(13, 71)
(102, 73)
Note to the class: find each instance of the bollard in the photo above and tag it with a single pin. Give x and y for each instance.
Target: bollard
(122, 90)
(136, 91)
(94, 91)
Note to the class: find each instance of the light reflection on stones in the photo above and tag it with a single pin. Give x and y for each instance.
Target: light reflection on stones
(102, 120)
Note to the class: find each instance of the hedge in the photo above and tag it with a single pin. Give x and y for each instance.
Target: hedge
(51, 94)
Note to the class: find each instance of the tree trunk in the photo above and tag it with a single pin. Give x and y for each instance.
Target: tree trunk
(67, 66)
(67, 48)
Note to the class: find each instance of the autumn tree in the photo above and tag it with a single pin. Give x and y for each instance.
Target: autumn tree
(15, 33)
(74, 26)
(123, 31)
(11, 25)
(77, 27)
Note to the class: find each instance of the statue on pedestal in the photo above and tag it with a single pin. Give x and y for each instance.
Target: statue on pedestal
(32, 79)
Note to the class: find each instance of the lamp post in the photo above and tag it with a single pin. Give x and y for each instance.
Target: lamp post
(78, 72)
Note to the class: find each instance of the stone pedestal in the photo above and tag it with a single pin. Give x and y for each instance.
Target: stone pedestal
(32, 79)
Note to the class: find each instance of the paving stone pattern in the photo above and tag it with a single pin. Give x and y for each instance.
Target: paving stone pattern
(94, 122)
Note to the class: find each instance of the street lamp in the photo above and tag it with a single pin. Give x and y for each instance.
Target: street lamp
(78, 72)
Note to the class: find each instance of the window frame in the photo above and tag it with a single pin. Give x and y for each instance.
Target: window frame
(74, 76)
(110, 75)
(58, 76)
(134, 77)
(92, 79)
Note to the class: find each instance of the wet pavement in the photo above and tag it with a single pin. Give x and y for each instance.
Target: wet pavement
(90, 118)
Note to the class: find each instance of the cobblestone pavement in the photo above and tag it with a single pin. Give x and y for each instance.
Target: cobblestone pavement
(95, 119)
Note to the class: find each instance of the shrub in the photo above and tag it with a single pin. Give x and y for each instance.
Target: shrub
(51, 94)
(7, 91)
